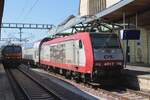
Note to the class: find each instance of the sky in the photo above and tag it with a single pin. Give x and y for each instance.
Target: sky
(36, 11)
(40, 12)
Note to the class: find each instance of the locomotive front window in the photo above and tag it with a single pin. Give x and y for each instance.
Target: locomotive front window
(12, 49)
(105, 41)
(17, 50)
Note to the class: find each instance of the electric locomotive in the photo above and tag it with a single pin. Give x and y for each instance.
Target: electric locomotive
(11, 55)
(84, 56)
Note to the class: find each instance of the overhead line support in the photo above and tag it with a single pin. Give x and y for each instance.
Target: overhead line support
(26, 26)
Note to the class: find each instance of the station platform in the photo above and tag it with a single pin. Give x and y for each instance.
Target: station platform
(5, 89)
(137, 76)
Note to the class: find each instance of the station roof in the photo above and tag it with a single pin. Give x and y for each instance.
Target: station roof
(112, 14)
(1, 9)
(130, 7)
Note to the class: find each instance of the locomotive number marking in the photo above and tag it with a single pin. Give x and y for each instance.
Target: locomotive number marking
(108, 57)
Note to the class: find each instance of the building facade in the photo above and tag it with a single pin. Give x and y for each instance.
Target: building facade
(91, 7)
(111, 2)
(139, 50)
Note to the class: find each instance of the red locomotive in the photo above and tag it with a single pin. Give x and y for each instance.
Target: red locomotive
(86, 56)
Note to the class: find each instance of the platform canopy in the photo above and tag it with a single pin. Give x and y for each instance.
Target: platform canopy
(70, 22)
(113, 14)
(130, 8)
(1, 9)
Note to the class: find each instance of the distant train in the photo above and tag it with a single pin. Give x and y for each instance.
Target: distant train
(11, 54)
(83, 56)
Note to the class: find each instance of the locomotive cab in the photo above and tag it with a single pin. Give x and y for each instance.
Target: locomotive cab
(107, 53)
(12, 55)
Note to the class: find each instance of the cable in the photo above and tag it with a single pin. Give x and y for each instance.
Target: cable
(23, 9)
(29, 11)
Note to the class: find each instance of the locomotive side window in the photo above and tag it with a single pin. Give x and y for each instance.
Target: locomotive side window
(80, 44)
(105, 41)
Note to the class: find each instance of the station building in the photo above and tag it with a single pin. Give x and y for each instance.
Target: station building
(1, 9)
(91, 7)
(131, 14)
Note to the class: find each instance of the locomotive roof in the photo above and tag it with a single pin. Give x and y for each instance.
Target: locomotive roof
(12, 45)
(68, 34)
(101, 33)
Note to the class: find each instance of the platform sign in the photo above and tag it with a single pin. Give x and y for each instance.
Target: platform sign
(129, 34)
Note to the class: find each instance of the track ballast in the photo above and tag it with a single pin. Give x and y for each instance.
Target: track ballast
(31, 88)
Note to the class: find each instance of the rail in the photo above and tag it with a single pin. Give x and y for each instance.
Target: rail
(31, 88)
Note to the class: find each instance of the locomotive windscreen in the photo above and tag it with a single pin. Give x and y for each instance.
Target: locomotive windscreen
(104, 41)
(106, 47)
(12, 49)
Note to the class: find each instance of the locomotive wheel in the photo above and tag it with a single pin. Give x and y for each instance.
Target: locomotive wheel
(47, 68)
(50, 69)
(68, 75)
(44, 67)
(64, 72)
(85, 78)
(77, 77)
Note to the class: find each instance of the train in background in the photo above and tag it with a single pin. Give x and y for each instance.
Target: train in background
(84, 56)
(11, 55)
(29, 54)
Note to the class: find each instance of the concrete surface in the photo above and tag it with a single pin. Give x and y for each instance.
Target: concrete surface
(5, 89)
(137, 77)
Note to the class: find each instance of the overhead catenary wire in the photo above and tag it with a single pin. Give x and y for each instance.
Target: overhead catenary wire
(23, 9)
(31, 8)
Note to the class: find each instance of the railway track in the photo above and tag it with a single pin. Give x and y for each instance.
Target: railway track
(125, 95)
(62, 89)
(108, 94)
(31, 88)
(129, 94)
(17, 91)
(121, 93)
(118, 93)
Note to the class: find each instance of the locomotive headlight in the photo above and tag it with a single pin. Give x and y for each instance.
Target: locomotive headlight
(112, 51)
(103, 51)
(119, 63)
(98, 64)
(105, 64)
(108, 64)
